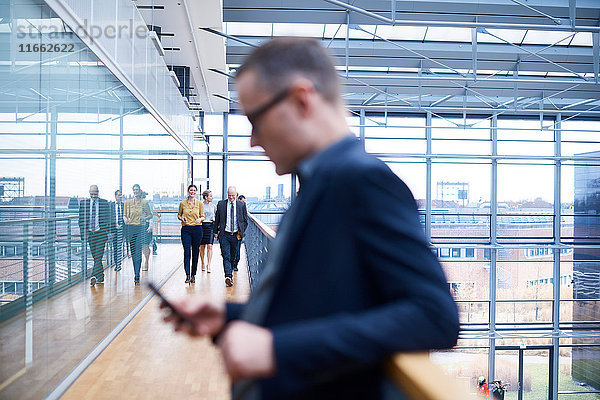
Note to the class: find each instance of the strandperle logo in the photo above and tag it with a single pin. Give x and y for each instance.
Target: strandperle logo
(94, 31)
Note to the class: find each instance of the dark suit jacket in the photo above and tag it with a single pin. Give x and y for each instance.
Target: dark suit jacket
(221, 217)
(104, 215)
(113, 219)
(358, 282)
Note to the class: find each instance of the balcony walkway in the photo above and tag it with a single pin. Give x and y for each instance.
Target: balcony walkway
(146, 360)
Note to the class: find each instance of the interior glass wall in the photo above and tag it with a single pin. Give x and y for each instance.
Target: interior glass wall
(67, 123)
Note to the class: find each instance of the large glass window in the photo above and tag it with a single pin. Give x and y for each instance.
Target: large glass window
(460, 191)
(394, 135)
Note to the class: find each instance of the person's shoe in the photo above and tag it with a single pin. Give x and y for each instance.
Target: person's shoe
(93, 281)
(187, 279)
(208, 270)
(193, 279)
(136, 282)
(154, 253)
(203, 268)
(145, 268)
(228, 281)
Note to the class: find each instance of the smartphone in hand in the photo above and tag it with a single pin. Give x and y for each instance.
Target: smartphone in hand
(169, 304)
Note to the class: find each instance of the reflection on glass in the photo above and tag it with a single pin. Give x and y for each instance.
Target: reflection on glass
(465, 365)
(74, 140)
(586, 268)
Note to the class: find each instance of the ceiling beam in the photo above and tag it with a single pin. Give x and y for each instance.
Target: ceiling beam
(451, 55)
(495, 14)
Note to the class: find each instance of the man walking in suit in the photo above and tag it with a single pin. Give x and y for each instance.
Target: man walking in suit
(231, 221)
(94, 225)
(116, 215)
(350, 278)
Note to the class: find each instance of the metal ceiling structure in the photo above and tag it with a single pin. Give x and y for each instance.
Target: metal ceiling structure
(185, 44)
(444, 56)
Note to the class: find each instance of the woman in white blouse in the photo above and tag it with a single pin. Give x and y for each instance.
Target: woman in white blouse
(207, 229)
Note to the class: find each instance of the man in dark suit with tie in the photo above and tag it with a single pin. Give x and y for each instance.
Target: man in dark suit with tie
(94, 225)
(116, 215)
(231, 221)
(350, 278)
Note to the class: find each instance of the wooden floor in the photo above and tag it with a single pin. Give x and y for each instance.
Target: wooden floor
(150, 361)
(66, 327)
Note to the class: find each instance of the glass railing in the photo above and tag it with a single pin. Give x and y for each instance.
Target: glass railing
(51, 319)
(40, 257)
(258, 238)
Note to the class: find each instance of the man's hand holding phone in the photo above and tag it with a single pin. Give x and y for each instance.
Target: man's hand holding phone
(193, 315)
(247, 349)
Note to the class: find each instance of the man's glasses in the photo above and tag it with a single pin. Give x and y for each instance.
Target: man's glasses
(256, 114)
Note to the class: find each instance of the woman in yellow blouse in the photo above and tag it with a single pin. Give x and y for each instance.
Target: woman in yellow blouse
(191, 215)
(135, 214)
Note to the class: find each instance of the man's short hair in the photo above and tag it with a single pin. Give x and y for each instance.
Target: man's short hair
(279, 60)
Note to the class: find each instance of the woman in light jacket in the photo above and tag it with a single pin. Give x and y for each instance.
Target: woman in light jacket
(191, 215)
(136, 213)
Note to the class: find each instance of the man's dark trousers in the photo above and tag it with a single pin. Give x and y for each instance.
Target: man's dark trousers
(97, 241)
(229, 245)
(236, 260)
(118, 247)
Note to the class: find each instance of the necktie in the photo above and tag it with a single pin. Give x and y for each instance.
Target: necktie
(93, 219)
(231, 224)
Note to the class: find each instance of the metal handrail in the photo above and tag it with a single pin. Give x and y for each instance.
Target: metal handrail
(269, 212)
(31, 220)
(270, 233)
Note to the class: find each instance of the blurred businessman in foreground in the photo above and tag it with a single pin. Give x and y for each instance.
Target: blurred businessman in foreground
(350, 279)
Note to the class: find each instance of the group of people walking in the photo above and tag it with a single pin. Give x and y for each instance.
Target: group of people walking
(131, 221)
(202, 222)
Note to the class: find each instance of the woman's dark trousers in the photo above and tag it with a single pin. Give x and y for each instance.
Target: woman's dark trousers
(190, 238)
